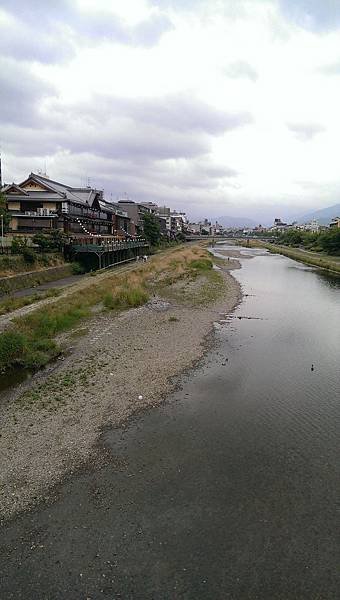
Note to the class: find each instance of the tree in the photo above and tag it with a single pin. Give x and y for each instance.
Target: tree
(54, 240)
(292, 237)
(330, 241)
(152, 230)
(4, 213)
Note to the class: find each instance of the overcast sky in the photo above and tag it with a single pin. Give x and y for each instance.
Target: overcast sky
(216, 107)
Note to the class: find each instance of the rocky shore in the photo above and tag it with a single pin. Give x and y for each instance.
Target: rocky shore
(114, 366)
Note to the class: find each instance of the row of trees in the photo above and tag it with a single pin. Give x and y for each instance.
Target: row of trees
(326, 241)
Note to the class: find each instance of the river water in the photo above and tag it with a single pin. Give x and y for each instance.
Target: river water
(231, 489)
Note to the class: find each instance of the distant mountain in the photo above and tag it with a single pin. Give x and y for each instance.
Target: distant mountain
(323, 216)
(236, 222)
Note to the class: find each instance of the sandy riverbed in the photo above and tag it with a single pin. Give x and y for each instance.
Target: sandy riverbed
(117, 365)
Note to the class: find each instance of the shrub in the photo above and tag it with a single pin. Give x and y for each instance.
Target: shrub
(12, 347)
(29, 256)
(77, 268)
(18, 245)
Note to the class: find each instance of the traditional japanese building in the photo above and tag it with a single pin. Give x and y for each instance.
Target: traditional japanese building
(39, 204)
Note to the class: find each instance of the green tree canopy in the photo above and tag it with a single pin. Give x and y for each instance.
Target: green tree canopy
(152, 230)
(53, 240)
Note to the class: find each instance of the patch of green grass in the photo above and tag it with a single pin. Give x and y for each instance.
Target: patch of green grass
(173, 319)
(201, 264)
(126, 297)
(55, 389)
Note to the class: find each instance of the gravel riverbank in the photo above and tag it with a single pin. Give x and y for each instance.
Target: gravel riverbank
(115, 366)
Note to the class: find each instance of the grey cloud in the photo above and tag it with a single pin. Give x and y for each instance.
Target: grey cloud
(21, 93)
(197, 173)
(133, 142)
(21, 42)
(305, 131)
(101, 25)
(147, 33)
(216, 172)
(330, 69)
(39, 11)
(52, 43)
(314, 15)
(139, 133)
(241, 69)
(138, 144)
(180, 112)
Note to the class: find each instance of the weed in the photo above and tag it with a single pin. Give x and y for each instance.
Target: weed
(12, 348)
(126, 297)
(201, 264)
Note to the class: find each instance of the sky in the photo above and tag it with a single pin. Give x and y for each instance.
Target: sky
(213, 107)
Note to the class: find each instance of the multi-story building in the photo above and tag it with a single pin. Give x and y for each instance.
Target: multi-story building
(39, 204)
(136, 212)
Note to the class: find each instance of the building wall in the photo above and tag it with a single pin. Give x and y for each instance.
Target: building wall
(132, 211)
(31, 185)
(13, 205)
(50, 205)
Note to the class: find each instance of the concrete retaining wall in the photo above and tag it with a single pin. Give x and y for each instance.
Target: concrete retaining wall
(23, 280)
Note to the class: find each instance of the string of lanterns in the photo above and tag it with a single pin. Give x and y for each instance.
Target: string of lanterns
(86, 231)
(134, 237)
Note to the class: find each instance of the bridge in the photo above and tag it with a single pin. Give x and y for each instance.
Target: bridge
(199, 238)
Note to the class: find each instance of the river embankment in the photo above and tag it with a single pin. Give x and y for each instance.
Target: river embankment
(113, 364)
(308, 257)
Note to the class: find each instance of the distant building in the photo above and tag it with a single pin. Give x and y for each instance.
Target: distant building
(279, 226)
(335, 223)
(313, 226)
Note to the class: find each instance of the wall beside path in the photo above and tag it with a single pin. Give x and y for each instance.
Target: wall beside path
(12, 283)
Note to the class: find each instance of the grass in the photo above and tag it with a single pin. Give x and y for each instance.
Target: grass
(126, 297)
(11, 304)
(201, 264)
(14, 264)
(31, 340)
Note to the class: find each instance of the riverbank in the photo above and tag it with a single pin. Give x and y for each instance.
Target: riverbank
(315, 259)
(113, 365)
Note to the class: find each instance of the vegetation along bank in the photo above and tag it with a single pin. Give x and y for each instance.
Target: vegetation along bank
(309, 257)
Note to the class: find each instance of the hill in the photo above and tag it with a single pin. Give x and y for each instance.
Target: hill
(323, 216)
(236, 222)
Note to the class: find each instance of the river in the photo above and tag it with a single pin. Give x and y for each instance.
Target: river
(229, 490)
